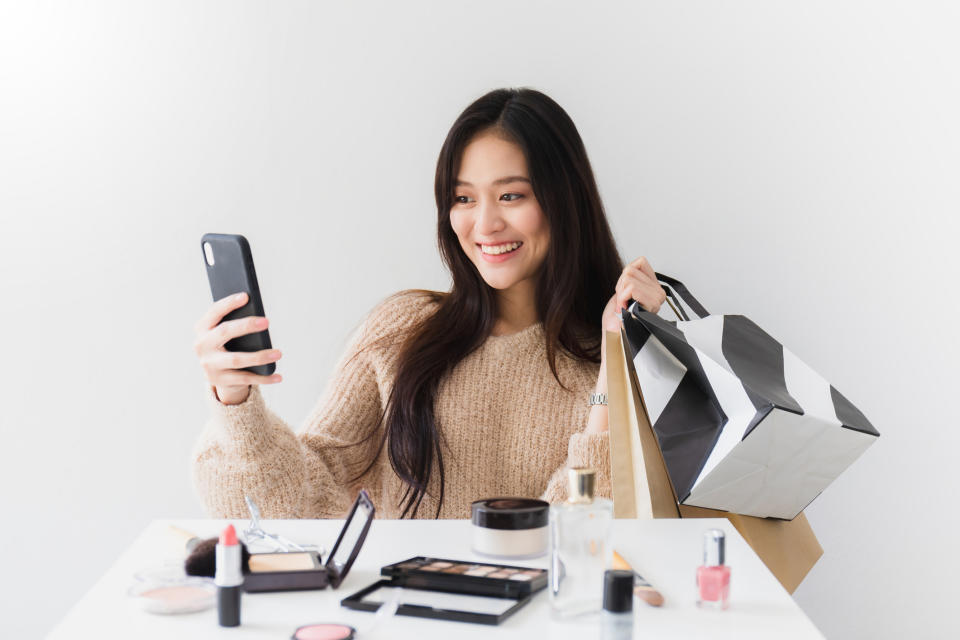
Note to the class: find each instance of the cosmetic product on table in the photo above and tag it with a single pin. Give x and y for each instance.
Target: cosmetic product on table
(229, 578)
(510, 527)
(452, 590)
(165, 588)
(617, 616)
(255, 533)
(324, 631)
(713, 578)
(202, 561)
(292, 570)
(167, 591)
(643, 589)
(579, 547)
(336, 631)
(300, 570)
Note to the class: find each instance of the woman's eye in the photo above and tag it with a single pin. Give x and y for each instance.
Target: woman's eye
(461, 199)
(512, 196)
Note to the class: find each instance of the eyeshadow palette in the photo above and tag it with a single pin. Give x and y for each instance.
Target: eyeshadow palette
(466, 577)
(452, 589)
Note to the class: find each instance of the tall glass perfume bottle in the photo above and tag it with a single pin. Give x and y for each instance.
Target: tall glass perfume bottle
(579, 547)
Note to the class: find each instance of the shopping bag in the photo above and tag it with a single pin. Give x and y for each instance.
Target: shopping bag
(641, 486)
(743, 425)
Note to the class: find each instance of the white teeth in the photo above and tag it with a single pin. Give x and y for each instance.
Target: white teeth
(496, 250)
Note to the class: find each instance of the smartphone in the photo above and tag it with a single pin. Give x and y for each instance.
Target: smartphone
(230, 270)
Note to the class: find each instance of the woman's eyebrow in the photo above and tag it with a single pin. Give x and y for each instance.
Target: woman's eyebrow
(497, 182)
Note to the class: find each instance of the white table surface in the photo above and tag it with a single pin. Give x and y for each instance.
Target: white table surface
(666, 552)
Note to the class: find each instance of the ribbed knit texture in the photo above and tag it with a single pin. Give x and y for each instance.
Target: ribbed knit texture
(508, 428)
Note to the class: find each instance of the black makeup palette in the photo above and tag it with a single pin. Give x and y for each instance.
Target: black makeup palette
(294, 571)
(452, 589)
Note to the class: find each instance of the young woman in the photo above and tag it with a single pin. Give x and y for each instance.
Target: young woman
(447, 398)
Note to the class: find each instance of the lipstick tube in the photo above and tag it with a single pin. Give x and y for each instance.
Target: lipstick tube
(228, 578)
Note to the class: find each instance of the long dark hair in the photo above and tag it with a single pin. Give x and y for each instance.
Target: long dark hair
(575, 282)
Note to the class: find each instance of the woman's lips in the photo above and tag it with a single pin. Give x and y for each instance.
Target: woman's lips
(502, 257)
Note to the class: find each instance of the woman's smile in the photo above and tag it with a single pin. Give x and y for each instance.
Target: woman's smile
(499, 252)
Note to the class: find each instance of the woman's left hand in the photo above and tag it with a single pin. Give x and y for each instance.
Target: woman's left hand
(637, 282)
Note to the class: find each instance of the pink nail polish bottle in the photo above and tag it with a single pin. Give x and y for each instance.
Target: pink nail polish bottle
(713, 578)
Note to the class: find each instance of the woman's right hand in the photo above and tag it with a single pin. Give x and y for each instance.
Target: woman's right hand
(222, 367)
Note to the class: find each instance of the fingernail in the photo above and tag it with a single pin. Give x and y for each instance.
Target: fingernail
(239, 296)
(261, 322)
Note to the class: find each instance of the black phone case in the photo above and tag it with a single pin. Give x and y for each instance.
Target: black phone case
(232, 272)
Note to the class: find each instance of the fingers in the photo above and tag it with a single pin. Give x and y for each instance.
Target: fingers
(225, 360)
(644, 266)
(223, 368)
(220, 308)
(649, 296)
(218, 336)
(242, 378)
(638, 281)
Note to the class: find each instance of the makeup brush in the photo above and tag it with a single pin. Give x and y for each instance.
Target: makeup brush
(202, 561)
(643, 589)
(188, 538)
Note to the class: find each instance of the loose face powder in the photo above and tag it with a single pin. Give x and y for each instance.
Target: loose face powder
(510, 527)
(177, 598)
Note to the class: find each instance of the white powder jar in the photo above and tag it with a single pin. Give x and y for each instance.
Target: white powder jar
(510, 527)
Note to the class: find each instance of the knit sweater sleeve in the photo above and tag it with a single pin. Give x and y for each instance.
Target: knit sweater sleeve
(246, 449)
(583, 450)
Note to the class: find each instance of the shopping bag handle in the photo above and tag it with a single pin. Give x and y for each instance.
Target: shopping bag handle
(672, 287)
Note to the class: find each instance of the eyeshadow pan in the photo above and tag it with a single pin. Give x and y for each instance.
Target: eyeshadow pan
(510, 571)
(440, 564)
(460, 568)
(478, 571)
(521, 576)
(430, 568)
(498, 574)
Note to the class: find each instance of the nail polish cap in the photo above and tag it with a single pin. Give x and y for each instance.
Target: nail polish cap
(618, 590)
(582, 485)
(714, 548)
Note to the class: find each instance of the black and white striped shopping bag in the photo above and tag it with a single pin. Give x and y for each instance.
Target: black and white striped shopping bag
(743, 424)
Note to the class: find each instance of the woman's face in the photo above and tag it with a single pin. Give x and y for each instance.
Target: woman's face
(496, 216)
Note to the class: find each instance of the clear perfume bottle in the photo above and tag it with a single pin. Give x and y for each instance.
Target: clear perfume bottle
(579, 547)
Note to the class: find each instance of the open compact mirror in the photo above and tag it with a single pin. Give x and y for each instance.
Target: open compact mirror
(300, 570)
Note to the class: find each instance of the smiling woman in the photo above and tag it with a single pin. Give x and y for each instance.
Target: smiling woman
(447, 398)
(498, 221)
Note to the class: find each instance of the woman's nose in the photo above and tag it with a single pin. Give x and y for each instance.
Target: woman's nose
(489, 220)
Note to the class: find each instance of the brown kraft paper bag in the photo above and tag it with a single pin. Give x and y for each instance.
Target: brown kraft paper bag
(642, 487)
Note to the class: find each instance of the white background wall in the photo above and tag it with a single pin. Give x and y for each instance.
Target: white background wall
(794, 161)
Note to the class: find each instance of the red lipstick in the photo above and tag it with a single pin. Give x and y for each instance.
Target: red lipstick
(229, 578)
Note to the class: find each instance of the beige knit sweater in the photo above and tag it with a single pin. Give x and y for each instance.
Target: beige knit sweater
(509, 430)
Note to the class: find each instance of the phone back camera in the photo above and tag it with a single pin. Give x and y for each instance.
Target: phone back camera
(208, 252)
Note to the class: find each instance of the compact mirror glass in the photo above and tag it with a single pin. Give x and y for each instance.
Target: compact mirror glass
(351, 538)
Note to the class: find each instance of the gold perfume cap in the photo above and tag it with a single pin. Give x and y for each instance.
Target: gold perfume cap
(583, 483)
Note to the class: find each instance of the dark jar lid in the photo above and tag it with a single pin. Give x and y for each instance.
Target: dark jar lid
(510, 513)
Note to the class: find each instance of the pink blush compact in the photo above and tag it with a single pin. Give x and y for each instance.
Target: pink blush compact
(324, 632)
